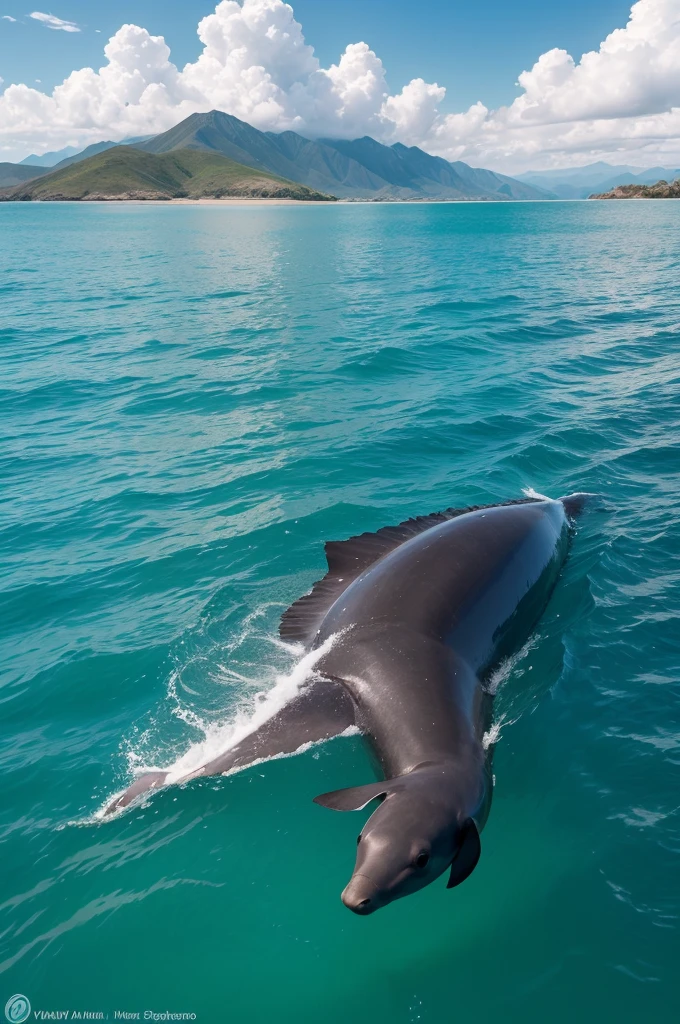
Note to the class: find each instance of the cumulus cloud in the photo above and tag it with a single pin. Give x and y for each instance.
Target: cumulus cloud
(58, 24)
(622, 100)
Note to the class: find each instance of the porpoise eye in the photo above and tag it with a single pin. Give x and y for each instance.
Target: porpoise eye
(422, 860)
(358, 838)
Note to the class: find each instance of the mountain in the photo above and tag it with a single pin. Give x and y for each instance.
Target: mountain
(15, 174)
(59, 157)
(409, 168)
(127, 173)
(50, 159)
(357, 169)
(660, 190)
(349, 169)
(286, 154)
(478, 177)
(579, 175)
(581, 182)
(85, 154)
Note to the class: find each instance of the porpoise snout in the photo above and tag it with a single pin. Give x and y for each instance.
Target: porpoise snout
(361, 895)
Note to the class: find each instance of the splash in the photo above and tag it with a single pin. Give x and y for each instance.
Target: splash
(494, 683)
(529, 492)
(492, 735)
(507, 667)
(219, 737)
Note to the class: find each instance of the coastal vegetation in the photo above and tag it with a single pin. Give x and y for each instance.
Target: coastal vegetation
(661, 190)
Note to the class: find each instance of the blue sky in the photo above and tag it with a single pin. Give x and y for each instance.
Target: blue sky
(532, 84)
(475, 50)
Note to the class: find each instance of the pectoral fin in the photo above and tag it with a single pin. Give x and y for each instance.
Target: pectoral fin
(355, 798)
(469, 852)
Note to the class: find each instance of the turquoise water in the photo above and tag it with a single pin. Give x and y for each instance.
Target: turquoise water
(192, 400)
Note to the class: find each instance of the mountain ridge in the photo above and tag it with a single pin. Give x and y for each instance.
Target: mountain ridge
(58, 157)
(350, 169)
(358, 169)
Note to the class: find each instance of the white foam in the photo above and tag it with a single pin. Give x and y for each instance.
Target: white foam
(494, 684)
(529, 492)
(498, 678)
(492, 735)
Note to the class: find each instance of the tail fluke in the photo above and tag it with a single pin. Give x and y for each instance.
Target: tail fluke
(575, 503)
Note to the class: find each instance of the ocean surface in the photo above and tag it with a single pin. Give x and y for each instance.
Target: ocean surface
(192, 399)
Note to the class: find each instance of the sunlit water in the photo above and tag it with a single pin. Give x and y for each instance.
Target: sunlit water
(192, 401)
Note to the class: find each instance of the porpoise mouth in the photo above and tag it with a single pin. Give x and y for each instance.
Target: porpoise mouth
(361, 895)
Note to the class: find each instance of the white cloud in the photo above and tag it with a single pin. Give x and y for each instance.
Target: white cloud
(7, 17)
(58, 24)
(621, 101)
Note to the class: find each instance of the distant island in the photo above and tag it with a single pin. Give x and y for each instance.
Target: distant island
(215, 155)
(661, 190)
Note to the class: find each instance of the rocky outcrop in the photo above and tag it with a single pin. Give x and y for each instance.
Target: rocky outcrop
(662, 190)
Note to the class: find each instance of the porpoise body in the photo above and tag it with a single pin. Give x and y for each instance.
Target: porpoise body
(414, 619)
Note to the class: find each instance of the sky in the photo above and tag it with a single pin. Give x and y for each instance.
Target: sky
(532, 84)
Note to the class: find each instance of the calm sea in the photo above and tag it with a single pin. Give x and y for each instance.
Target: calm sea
(192, 400)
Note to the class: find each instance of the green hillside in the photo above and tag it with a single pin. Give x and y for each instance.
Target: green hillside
(17, 174)
(127, 173)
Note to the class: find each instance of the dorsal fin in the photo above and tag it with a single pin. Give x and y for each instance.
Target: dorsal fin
(347, 559)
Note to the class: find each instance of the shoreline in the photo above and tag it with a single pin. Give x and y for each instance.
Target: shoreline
(239, 201)
(236, 201)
